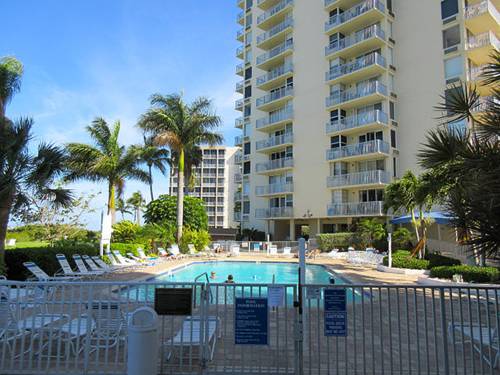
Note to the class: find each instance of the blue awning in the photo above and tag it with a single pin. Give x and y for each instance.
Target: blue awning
(438, 217)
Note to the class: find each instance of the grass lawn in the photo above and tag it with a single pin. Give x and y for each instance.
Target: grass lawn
(23, 245)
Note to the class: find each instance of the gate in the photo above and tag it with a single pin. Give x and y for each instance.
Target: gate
(81, 328)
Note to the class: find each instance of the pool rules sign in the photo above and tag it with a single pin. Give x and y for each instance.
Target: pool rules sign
(251, 323)
(335, 312)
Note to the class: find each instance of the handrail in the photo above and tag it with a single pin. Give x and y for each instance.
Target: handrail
(208, 282)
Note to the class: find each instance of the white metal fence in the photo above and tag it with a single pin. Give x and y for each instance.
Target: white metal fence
(81, 328)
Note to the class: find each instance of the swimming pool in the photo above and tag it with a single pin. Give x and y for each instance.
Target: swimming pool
(250, 272)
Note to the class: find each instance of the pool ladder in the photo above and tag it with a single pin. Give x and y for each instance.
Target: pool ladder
(200, 276)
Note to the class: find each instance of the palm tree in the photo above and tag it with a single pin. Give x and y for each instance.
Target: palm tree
(464, 167)
(122, 207)
(106, 160)
(180, 126)
(137, 202)
(192, 158)
(154, 157)
(11, 71)
(25, 175)
(372, 230)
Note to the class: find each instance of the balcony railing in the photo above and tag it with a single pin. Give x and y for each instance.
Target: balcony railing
(238, 141)
(239, 51)
(480, 8)
(356, 121)
(274, 141)
(482, 40)
(340, 44)
(371, 88)
(366, 61)
(275, 73)
(240, 17)
(475, 72)
(356, 209)
(238, 123)
(275, 95)
(485, 103)
(283, 114)
(329, 2)
(240, 86)
(359, 178)
(240, 34)
(239, 69)
(238, 178)
(274, 164)
(364, 148)
(238, 105)
(288, 22)
(273, 212)
(274, 10)
(356, 11)
(287, 45)
(274, 189)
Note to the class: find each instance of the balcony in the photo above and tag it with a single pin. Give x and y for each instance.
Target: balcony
(275, 119)
(356, 209)
(275, 99)
(240, 69)
(365, 13)
(360, 96)
(479, 47)
(275, 56)
(343, 4)
(371, 65)
(238, 105)
(240, 196)
(275, 142)
(275, 35)
(366, 121)
(359, 179)
(238, 158)
(275, 77)
(273, 189)
(240, 18)
(274, 212)
(238, 141)
(238, 178)
(371, 38)
(364, 150)
(266, 4)
(274, 165)
(481, 17)
(240, 86)
(239, 217)
(240, 36)
(484, 104)
(239, 122)
(274, 15)
(240, 4)
(240, 52)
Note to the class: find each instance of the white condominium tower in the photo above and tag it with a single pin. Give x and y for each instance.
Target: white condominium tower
(213, 181)
(338, 96)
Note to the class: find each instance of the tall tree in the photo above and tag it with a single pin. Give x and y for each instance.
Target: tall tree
(192, 159)
(25, 175)
(11, 71)
(122, 207)
(154, 157)
(181, 126)
(105, 160)
(137, 202)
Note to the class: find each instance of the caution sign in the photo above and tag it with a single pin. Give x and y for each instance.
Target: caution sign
(251, 324)
(335, 312)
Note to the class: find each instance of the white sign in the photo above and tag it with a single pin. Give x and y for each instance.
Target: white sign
(275, 296)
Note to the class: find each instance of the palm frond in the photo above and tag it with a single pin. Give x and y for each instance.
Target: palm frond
(491, 72)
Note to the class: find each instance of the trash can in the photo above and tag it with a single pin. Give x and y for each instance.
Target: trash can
(143, 342)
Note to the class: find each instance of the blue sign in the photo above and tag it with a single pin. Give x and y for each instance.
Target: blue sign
(251, 325)
(335, 312)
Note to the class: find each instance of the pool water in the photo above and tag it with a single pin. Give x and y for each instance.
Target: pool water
(251, 272)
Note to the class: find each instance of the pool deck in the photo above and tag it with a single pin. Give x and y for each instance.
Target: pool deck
(354, 274)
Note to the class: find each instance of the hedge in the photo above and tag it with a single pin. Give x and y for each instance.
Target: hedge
(45, 258)
(330, 241)
(469, 273)
(437, 260)
(403, 259)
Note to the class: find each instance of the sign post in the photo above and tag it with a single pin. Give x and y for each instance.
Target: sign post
(389, 248)
(299, 331)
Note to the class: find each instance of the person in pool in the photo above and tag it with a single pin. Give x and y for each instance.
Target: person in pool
(230, 279)
(213, 275)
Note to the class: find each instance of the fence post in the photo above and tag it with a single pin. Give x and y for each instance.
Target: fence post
(300, 321)
(444, 331)
(204, 327)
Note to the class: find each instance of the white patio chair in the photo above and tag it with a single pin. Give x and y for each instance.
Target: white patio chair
(66, 269)
(93, 266)
(84, 271)
(273, 250)
(40, 275)
(174, 251)
(103, 265)
(235, 251)
(482, 338)
(189, 335)
(287, 251)
(124, 261)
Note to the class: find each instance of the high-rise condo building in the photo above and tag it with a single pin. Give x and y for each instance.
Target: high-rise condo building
(338, 96)
(213, 181)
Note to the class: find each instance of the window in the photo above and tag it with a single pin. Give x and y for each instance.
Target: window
(246, 207)
(372, 195)
(248, 91)
(338, 141)
(328, 228)
(451, 37)
(452, 96)
(389, 5)
(248, 22)
(393, 139)
(246, 148)
(392, 113)
(248, 73)
(371, 136)
(247, 111)
(394, 167)
(391, 56)
(246, 167)
(453, 67)
(448, 8)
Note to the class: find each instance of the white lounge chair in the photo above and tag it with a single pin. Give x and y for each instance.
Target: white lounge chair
(93, 266)
(103, 265)
(124, 261)
(40, 275)
(174, 250)
(484, 340)
(190, 335)
(273, 250)
(235, 251)
(66, 269)
(84, 271)
(287, 251)
(143, 255)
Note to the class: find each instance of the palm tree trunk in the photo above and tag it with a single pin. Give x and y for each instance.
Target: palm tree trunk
(151, 182)
(112, 203)
(4, 221)
(138, 216)
(180, 195)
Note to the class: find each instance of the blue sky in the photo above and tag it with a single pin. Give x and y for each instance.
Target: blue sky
(88, 58)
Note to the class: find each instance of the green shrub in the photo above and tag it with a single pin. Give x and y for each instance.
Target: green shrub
(469, 273)
(402, 237)
(164, 210)
(437, 260)
(403, 259)
(125, 231)
(45, 258)
(330, 241)
(199, 239)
